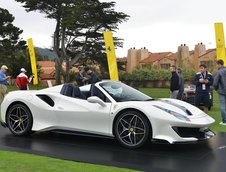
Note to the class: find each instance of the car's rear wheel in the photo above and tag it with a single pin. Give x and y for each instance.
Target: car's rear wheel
(19, 120)
(131, 129)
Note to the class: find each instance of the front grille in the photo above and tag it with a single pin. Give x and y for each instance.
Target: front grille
(189, 132)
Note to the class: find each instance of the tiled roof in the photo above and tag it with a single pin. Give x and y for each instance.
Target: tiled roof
(123, 59)
(208, 51)
(172, 56)
(46, 76)
(46, 63)
(47, 68)
(157, 56)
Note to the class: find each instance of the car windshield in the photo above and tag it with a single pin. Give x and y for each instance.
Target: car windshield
(121, 92)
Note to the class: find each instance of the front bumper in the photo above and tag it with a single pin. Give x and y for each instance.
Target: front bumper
(188, 139)
(199, 134)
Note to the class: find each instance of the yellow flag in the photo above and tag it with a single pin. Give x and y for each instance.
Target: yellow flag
(33, 60)
(110, 50)
(219, 31)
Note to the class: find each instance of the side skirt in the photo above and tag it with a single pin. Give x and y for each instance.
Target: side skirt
(81, 133)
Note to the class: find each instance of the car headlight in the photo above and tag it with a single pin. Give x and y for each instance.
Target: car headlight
(176, 114)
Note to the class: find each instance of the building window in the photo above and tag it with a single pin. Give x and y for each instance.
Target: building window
(147, 65)
(165, 66)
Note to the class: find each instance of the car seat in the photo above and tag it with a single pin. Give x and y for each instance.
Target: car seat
(69, 90)
(77, 93)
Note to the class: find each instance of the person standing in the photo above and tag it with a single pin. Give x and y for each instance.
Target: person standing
(80, 79)
(219, 85)
(4, 81)
(203, 80)
(22, 80)
(181, 84)
(174, 83)
(92, 77)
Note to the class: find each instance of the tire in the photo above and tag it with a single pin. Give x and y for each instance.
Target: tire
(19, 120)
(131, 129)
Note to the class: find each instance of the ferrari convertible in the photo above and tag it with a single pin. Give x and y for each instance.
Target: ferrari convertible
(105, 109)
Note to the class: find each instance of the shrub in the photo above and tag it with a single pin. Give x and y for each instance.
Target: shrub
(146, 74)
(188, 74)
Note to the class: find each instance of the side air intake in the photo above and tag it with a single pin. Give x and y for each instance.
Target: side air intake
(46, 99)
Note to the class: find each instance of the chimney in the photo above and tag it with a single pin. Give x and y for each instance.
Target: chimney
(200, 49)
(142, 54)
(132, 60)
(183, 51)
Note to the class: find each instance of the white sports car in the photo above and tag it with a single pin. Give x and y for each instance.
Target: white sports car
(108, 108)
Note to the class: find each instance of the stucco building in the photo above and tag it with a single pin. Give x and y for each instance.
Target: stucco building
(163, 60)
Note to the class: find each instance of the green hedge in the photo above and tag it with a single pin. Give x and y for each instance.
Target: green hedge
(153, 75)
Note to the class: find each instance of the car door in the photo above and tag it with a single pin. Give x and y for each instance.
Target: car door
(81, 115)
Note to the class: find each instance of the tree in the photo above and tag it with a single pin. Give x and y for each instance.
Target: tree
(79, 28)
(10, 43)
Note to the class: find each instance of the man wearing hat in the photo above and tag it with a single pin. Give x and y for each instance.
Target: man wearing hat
(4, 81)
(22, 80)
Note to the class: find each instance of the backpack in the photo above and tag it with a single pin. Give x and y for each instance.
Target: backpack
(18, 83)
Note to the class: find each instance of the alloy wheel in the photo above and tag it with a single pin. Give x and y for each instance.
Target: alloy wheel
(132, 129)
(19, 119)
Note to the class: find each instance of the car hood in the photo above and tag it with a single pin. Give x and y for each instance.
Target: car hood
(178, 106)
(166, 105)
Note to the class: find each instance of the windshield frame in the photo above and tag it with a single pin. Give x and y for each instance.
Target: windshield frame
(121, 92)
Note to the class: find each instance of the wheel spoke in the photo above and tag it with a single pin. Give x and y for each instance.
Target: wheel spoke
(24, 116)
(18, 112)
(123, 132)
(125, 136)
(14, 123)
(23, 126)
(25, 119)
(139, 133)
(20, 127)
(12, 119)
(12, 115)
(133, 121)
(14, 128)
(124, 123)
(138, 129)
(131, 141)
(134, 138)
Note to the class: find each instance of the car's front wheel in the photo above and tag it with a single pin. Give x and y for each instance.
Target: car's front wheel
(131, 129)
(19, 120)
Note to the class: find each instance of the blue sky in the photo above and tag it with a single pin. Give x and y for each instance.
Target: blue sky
(159, 25)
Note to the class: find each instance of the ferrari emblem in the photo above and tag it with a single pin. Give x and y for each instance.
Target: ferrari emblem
(109, 48)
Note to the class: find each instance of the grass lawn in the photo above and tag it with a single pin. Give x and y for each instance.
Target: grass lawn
(19, 162)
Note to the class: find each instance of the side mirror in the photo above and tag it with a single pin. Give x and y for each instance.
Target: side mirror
(95, 99)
